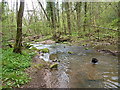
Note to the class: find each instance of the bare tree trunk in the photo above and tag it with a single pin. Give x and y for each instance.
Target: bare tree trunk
(58, 18)
(78, 10)
(119, 27)
(63, 19)
(2, 13)
(52, 14)
(16, 8)
(119, 15)
(34, 14)
(18, 44)
(68, 17)
(85, 7)
(44, 10)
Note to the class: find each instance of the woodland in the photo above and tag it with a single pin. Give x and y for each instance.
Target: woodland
(84, 24)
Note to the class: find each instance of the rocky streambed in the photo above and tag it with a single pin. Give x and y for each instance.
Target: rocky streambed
(74, 68)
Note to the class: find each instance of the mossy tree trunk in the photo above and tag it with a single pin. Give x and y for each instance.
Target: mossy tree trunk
(18, 44)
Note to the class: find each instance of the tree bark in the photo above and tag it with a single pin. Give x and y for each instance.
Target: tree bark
(18, 44)
(85, 7)
(78, 10)
(68, 17)
(63, 19)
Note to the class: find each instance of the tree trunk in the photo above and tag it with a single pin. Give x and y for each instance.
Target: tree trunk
(16, 8)
(2, 10)
(44, 10)
(51, 12)
(119, 16)
(85, 7)
(58, 18)
(63, 19)
(18, 44)
(78, 10)
(68, 17)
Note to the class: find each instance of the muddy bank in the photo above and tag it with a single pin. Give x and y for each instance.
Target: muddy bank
(37, 72)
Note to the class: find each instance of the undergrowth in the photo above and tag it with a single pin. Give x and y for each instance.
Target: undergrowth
(13, 66)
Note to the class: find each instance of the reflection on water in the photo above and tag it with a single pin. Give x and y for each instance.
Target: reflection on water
(76, 71)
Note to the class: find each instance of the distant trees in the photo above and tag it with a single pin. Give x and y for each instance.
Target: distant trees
(18, 44)
(60, 19)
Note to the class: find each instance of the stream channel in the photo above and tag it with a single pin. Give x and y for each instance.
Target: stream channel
(75, 70)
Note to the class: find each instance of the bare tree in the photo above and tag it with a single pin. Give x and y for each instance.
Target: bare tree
(85, 8)
(18, 44)
(43, 10)
(16, 8)
(68, 17)
(78, 10)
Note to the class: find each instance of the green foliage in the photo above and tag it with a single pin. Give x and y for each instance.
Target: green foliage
(13, 66)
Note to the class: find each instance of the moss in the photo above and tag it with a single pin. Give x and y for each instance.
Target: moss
(65, 42)
(37, 40)
(86, 48)
(45, 50)
(34, 48)
(70, 52)
(55, 65)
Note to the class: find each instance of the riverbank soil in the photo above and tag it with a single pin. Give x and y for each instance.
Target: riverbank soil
(36, 72)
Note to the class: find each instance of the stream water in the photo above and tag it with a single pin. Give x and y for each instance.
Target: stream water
(75, 70)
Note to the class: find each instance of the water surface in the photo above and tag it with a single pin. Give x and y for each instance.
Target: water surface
(76, 71)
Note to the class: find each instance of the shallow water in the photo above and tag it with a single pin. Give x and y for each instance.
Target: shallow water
(76, 71)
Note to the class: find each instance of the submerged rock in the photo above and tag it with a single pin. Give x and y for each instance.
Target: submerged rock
(53, 57)
(94, 60)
